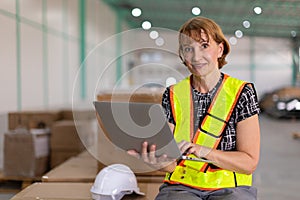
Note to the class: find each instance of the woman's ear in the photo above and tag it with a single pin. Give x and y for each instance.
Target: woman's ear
(221, 49)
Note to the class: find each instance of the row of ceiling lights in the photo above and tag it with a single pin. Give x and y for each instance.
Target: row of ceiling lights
(146, 25)
(246, 24)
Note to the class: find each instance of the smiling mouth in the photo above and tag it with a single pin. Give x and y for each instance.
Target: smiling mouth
(199, 65)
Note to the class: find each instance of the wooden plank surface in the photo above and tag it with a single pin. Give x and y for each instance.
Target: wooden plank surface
(84, 168)
(76, 191)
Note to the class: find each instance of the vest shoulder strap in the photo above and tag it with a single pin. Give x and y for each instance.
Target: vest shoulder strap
(222, 106)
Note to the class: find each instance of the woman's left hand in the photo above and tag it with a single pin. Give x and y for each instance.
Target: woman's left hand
(191, 148)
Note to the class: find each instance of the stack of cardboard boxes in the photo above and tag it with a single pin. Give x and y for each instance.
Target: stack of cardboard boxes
(74, 178)
(26, 144)
(71, 135)
(40, 140)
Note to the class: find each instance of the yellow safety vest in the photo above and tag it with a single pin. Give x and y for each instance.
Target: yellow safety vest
(200, 174)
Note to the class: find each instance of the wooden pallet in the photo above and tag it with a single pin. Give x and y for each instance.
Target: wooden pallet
(15, 183)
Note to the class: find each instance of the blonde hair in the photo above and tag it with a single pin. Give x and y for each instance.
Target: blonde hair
(192, 29)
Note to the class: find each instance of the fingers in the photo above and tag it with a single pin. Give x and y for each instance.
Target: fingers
(144, 153)
(149, 157)
(191, 148)
(197, 150)
(181, 143)
(134, 153)
(162, 158)
(152, 157)
(185, 146)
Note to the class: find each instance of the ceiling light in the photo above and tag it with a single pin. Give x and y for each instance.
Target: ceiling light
(170, 81)
(146, 25)
(246, 24)
(136, 12)
(153, 35)
(196, 11)
(233, 40)
(159, 41)
(238, 33)
(293, 33)
(258, 10)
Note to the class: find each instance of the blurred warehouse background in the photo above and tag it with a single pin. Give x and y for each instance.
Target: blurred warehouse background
(55, 51)
(58, 54)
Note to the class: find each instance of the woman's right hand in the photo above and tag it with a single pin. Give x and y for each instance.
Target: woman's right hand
(162, 163)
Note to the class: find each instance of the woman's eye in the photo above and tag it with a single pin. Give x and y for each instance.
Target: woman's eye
(204, 45)
(188, 49)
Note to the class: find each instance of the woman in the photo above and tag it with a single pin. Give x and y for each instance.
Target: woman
(212, 116)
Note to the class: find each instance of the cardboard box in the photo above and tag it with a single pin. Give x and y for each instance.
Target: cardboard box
(64, 136)
(146, 95)
(26, 154)
(32, 119)
(68, 135)
(57, 191)
(69, 138)
(69, 114)
(59, 156)
(77, 191)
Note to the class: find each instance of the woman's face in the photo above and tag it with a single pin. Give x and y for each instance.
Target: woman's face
(201, 56)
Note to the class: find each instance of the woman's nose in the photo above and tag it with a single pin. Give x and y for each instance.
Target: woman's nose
(196, 54)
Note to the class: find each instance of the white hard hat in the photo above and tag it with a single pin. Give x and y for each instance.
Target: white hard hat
(113, 182)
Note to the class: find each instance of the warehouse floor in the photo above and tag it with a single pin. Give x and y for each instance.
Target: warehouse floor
(277, 176)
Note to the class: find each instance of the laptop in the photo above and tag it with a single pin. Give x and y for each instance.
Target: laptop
(128, 124)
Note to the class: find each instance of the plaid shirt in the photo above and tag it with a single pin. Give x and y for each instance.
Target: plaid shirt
(247, 106)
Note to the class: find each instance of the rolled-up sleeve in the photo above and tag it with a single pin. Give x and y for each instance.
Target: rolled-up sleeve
(248, 103)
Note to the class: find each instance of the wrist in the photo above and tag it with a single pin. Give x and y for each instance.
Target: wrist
(204, 151)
